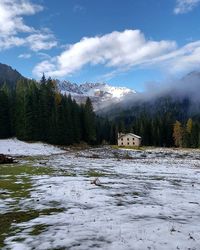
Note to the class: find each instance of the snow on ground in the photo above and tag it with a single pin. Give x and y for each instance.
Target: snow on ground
(147, 200)
(15, 147)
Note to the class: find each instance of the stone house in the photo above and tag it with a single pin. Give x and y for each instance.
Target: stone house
(129, 139)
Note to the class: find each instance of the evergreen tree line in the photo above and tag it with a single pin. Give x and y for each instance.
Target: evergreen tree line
(164, 122)
(34, 111)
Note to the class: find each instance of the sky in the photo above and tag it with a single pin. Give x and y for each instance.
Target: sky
(121, 42)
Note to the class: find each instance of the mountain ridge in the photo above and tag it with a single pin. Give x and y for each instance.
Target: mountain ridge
(9, 75)
(105, 96)
(101, 94)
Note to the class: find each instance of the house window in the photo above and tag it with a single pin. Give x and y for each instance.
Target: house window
(121, 139)
(133, 139)
(127, 139)
(128, 143)
(122, 144)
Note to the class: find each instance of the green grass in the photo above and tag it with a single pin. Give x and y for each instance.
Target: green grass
(15, 183)
(38, 229)
(15, 179)
(7, 220)
(16, 188)
(128, 147)
(16, 169)
(93, 173)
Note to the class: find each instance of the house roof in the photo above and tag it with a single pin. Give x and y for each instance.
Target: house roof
(131, 134)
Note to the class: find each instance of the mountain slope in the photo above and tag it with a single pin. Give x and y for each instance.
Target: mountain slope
(9, 75)
(101, 94)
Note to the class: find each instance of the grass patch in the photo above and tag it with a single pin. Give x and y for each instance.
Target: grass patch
(17, 188)
(15, 179)
(38, 229)
(128, 147)
(31, 158)
(93, 173)
(15, 170)
(7, 219)
(136, 193)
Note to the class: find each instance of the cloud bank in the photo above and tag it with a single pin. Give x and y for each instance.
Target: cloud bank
(184, 6)
(15, 32)
(122, 51)
(114, 50)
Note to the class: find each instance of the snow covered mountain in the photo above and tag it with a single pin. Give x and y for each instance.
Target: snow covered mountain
(101, 94)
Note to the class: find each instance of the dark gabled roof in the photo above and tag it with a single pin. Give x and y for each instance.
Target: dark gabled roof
(131, 134)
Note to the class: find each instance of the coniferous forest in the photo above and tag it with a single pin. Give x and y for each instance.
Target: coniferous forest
(34, 111)
(165, 122)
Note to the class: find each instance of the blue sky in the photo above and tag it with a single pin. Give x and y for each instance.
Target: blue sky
(121, 42)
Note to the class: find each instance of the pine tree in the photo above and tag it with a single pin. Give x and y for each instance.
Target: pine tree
(5, 119)
(20, 107)
(89, 132)
(188, 133)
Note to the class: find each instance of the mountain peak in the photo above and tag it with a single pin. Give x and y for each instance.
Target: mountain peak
(101, 94)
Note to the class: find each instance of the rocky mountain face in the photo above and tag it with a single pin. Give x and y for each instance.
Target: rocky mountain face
(9, 75)
(101, 94)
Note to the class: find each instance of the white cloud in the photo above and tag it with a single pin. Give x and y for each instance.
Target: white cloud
(184, 6)
(185, 59)
(78, 8)
(43, 56)
(8, 42)
(25, 56)
(115, 50)
(15, 32)
(39, 41)
(11, 20)
(120, 52)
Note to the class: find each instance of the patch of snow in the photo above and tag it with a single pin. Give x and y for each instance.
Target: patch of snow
(16, 147)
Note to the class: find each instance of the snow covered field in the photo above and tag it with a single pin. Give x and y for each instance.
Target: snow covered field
(147, 200)
(16, 147)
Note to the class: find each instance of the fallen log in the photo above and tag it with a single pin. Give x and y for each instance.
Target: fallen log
(5, 159)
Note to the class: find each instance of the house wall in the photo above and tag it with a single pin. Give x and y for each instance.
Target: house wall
(128, 140)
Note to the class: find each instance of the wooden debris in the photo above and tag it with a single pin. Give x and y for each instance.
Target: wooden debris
(5, 159)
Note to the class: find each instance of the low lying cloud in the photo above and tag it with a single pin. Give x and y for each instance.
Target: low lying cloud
(114, 50)
(184, 6)
(15, 32)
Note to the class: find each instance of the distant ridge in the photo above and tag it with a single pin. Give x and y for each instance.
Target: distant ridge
(101, 94)
(9, 75)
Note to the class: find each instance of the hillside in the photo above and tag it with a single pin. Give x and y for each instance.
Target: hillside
(9, 75)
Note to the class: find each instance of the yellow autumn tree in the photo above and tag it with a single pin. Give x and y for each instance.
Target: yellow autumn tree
(178, 134)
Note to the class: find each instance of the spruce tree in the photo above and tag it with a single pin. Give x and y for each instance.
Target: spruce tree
(89, 132)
